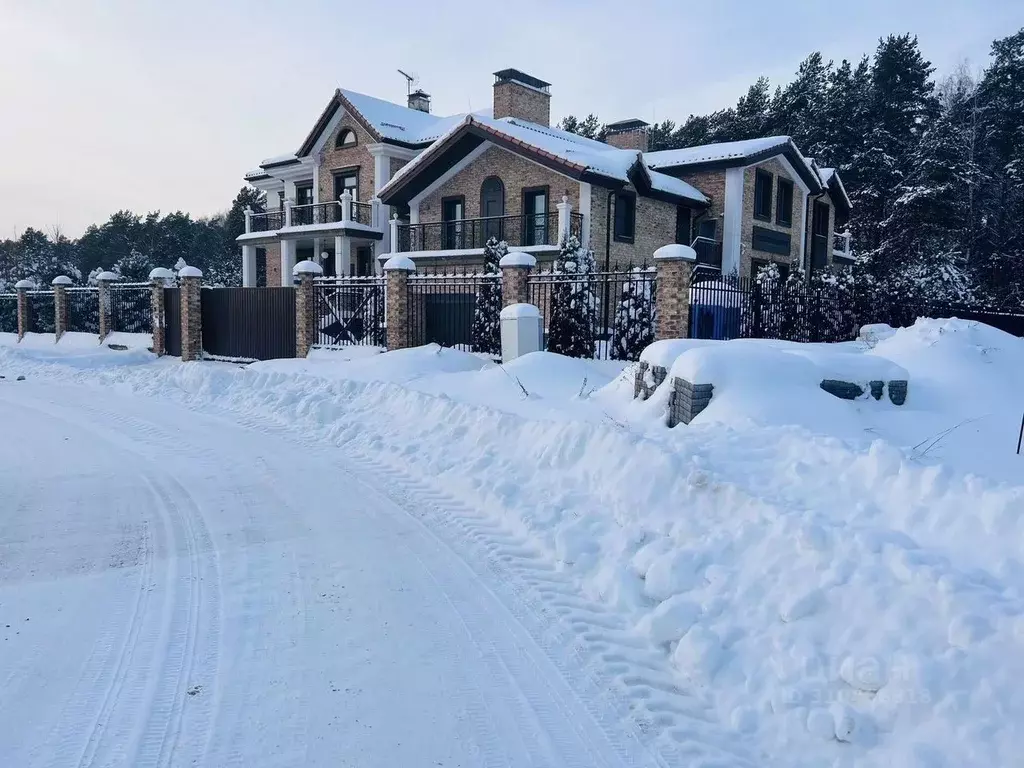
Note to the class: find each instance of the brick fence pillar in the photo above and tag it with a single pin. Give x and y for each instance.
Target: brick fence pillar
(191, 281)
(674, 264)
(60, 305)
(305, 305)
(397, 270)
(515, 272)
(23, 287)
(103, 280)
(158, 279)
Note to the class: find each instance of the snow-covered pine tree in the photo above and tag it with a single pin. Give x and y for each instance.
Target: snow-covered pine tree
(634, 317)
(486, 330)
(572, 305)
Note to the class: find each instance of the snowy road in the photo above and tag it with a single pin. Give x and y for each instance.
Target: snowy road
(177, 589)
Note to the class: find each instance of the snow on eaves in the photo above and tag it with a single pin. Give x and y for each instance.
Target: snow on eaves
(708, 153)
(398, 123)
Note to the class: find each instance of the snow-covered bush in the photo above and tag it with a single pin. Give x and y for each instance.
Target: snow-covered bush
(486, 331)
(634, 317)
(570, 324)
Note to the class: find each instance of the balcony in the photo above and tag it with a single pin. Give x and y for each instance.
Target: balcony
(538, 230)
(342, 216)
(841, 245)
(709, 252)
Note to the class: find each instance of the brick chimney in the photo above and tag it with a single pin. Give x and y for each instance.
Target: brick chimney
(420, 101)
(517, 94)
(627, 134)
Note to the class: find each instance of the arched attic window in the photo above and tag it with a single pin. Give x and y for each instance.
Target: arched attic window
(346, 138)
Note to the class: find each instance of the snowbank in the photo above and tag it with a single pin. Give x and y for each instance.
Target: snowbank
(825, 592)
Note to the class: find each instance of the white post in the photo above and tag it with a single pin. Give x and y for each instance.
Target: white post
(375, 211)
(564, 213)
(248, 220)
(288, 222)
(346, 207)
(394, 233)
(249, 266)
(287, 261)
(342, 256)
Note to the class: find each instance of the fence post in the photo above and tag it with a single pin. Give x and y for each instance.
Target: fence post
(23, 287)
(103, 280)
(515, 273)
(305, 306)
(191, 281)
(157, 282)
(674, 264)
(60, 305)
(397, 270)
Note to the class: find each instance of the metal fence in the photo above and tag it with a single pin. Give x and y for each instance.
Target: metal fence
(350, 311)
(41, 312)
(131, 308)
(460, 310)
(83, 310)
(8, 313)
(247, 323)
(602, 315)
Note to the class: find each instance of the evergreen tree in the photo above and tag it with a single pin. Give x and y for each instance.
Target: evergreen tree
(797, 109)
(634, 318)
(589, 127)
(486, 330)
(570, 326)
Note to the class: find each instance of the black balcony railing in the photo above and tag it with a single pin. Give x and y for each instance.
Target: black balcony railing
(709, 252)
(516, 231)
(316, 213)
(270, 221)
(362, 213)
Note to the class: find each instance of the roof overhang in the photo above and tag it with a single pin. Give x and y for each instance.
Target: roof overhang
(838, 193)
(787, 149)
(640, 178)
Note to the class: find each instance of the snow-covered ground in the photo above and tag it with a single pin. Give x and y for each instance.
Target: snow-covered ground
(418, 556)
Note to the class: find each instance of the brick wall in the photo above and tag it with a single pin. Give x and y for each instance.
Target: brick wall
(515, 172)
(712, 184)
(396, 164)
(273, 263)
(332, 159)
(655, 227)
(747, 252)
(515, 100)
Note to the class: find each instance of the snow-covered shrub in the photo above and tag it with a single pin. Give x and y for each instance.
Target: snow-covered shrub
(573, 303)
(634, 317)
(486, 331)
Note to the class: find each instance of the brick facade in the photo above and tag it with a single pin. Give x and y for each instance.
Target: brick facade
(512, 99)
(273, 263)
(655, 227)
(673, 298)
(305, 317)
(23, 318)
(712, 184)
(514, 282)
(397, 308)
(191, 319)
(747, 251)
(515, 172)
(103, 298)
(352, 158)
(60, 311)
(156, 306)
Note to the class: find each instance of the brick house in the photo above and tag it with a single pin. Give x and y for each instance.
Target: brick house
(374, 178)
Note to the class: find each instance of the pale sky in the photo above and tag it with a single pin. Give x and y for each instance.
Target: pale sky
(165, 104)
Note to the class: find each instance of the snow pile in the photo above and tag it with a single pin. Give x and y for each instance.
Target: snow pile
(825, 591)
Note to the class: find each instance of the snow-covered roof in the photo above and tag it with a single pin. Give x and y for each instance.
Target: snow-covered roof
(709, 153)
(396, 122)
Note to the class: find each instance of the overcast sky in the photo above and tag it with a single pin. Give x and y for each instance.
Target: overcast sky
(165, 104)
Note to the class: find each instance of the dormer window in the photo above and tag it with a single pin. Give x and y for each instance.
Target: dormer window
(346, 138)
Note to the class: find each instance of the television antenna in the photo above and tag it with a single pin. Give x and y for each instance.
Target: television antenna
(410, 80)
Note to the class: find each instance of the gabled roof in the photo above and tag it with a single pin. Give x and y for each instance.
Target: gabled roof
(574, 156)
(735, 153)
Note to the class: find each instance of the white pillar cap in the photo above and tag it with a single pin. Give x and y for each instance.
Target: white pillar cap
(108, 276)
(190, 272)
(61, 280)
(518, 259)
(24, 285)
(675, 252)
(401, 263)
(307, 267)
(161, 273)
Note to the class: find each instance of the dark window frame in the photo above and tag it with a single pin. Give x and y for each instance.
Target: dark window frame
(453, 236)
(304, 186)
(684, 212)
(346, 172)
(340, 144)
(622, 237)
(528, 226)
(781, 198)
(763, 184)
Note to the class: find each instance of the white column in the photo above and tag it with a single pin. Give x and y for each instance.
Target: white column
(564, 212)
(732, 221)
(375, 219)
(316, 248)
(248, 220)
(249, 266)
(288, 202)
(342, 256)
(346, 207)
(585, 192)
(393, 230)
(273, 201)
(287, 261)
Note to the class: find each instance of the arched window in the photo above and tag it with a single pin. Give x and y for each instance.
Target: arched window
(346, 138)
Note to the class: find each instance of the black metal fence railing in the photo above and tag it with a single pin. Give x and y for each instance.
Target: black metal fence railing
(350, 311)
(709, 252)
(362, 213)
(575, 227)
(316, 213)
(602, 315)
(270, 221)
(456, 310)
(83, 310)
(516, 231)
(41, 312)
(8, 313)
(131, 308)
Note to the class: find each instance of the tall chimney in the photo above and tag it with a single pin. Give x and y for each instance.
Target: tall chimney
(420, 101)
(517, 94)
(627, 134)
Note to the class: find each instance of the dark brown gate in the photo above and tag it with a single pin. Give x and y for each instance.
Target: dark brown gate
(249, 323)
(172, 321)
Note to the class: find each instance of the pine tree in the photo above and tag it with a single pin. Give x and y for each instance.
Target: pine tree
(486, 330)
(634, 317)
(570, 325)
(797, 109)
